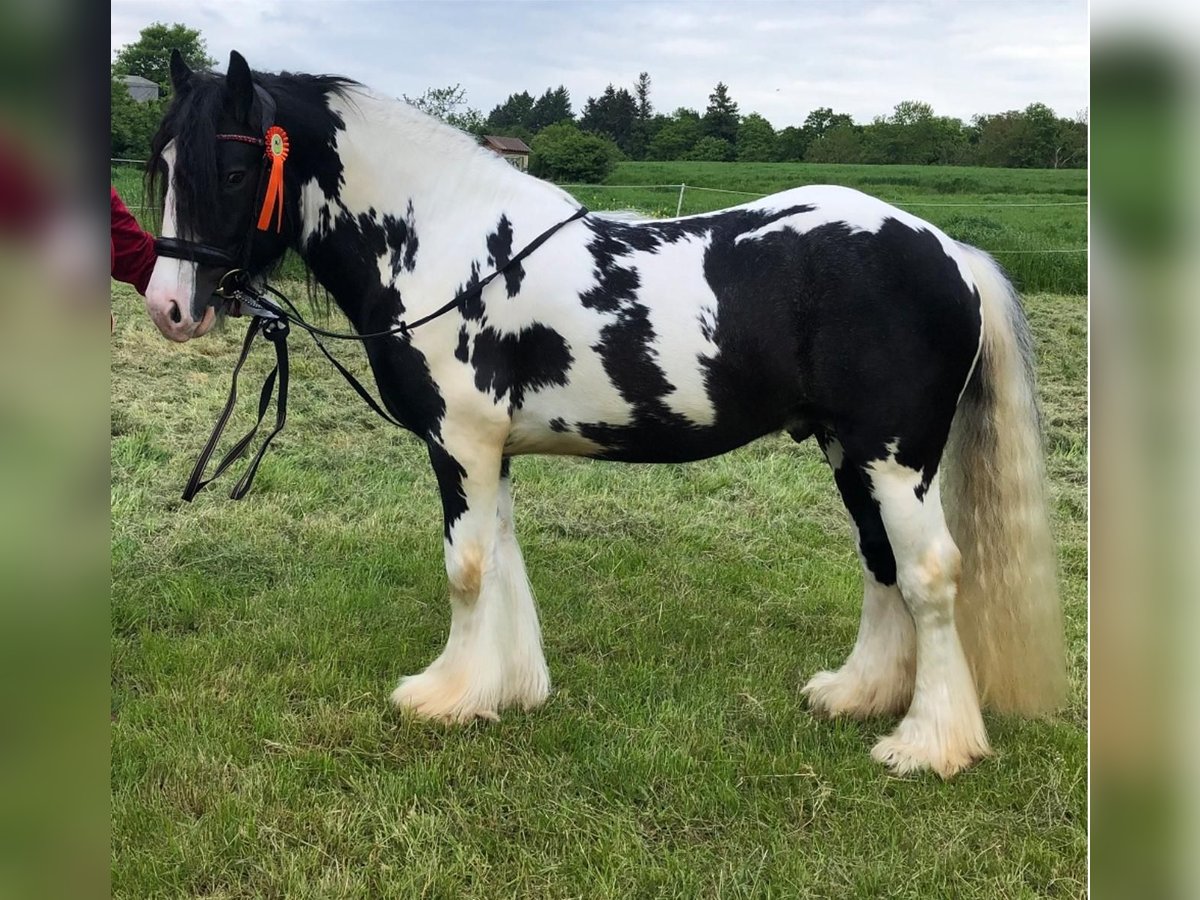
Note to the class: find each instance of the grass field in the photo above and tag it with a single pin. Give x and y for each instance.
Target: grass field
(947, 196)
(254, 645)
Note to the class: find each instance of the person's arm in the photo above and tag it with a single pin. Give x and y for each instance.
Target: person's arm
(132, 247)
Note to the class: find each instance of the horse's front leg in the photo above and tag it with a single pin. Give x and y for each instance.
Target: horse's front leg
(493, 657)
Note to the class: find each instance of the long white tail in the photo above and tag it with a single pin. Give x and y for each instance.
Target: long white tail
(1008, 612)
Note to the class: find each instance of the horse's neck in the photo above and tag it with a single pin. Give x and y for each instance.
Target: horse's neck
(401, 163)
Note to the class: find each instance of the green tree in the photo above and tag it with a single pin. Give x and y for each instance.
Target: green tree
(712, 149)
(450, 105)
(150, 55)
(911, 112)
(564, 153)
(822, 119)
(515, 112)
(913, 135)
(1030, 138)
(645, 125)
(612, 115)
(1071, 149)
(721, 116)
(1041, 136)
(553, 106)
(755, 139)
(791, 144)
(998, 138)
(641, 91)
(840, 144)
(676, 136)
(131, 124)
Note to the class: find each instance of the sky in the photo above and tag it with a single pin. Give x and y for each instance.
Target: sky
(780, 59)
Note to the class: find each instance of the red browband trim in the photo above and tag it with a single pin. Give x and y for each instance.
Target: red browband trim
(244, 138)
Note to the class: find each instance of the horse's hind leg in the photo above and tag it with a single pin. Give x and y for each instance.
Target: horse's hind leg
(877, 677)
(943, 729)
(493, 656)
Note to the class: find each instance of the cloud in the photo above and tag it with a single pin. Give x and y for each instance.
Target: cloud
(781, 60)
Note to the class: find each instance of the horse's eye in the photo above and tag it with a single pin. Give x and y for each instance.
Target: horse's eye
(235, 177)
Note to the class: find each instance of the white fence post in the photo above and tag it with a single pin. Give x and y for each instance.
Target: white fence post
(679, 205)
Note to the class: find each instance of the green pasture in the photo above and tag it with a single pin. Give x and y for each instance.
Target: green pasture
(254, 645)
(977, 205)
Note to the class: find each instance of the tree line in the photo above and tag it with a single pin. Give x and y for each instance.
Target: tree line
(1034, 137)
(621, 123)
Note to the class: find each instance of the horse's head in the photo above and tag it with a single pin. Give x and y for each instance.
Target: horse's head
(209, 166)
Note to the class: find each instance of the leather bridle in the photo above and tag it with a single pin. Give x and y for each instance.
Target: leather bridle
(218, 257)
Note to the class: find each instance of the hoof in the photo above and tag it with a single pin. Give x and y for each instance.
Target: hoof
(907, 750)
(840, 693)
(434, 696)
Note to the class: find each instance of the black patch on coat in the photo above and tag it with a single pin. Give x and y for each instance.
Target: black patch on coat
(499, 245)
(341, 260)
(616, 284)
(508, 364)
(387, 235)
(512, 364)
(471, 307)
(400, 238)
(558, 425)
(626, 344)
(887, 333)
(373, 235)
(450, 474)
(873, 543)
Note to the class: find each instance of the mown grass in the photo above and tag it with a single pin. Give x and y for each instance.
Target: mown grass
(254, 644)
(975, 205)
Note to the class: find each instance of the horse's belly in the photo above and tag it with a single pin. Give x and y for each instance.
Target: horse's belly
(659, 445)
(646, 441)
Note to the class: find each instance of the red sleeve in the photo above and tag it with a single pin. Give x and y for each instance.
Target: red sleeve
(132, 247)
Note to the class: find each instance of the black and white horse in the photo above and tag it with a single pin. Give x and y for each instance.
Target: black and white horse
(820, 311)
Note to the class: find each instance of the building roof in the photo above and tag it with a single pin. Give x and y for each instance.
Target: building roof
(507, 144)
(138, 80)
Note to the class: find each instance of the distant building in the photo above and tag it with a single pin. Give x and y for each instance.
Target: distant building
(140, 89)
(515, 150)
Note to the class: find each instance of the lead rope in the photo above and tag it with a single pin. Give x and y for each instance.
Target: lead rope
(273, 321)
(276, 331)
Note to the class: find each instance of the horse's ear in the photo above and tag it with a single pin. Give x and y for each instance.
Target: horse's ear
(239, 86)
(180, 73)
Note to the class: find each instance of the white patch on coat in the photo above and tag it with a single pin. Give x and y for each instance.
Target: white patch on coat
(678, 298)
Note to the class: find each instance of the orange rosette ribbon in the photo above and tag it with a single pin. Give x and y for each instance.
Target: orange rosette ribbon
(276, 141)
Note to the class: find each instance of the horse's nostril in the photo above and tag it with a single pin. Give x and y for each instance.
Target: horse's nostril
(176, 316)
